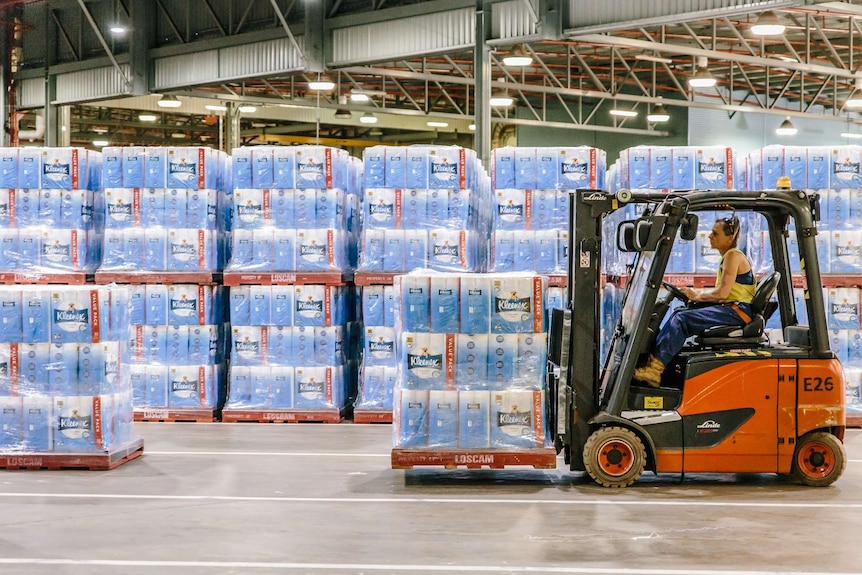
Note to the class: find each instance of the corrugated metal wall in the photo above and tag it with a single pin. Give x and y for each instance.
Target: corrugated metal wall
(245, 61)
(403, 38)
(589, 13)
(511, 20)
(92, 84)
(31, 93)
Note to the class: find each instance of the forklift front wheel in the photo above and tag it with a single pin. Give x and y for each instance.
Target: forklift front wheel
(819, 459)
(614, 456)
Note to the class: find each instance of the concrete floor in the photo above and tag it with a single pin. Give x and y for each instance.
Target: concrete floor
(259, 499)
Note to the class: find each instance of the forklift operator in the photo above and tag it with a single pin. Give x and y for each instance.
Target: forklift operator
(732, 297)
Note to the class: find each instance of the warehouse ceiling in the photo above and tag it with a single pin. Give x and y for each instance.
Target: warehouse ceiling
(586, 62)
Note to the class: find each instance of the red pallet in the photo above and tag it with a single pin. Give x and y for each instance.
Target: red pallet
(854, 420)
(372, 416)
(282, 416)
(206, 415)
(90, 461)
(375, 278)
(473, 458)
(71, 278)
(285, 278)
(148, 277)
(558, 281)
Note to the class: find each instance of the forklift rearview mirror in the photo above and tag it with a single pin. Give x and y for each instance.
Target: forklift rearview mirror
(688, 229)
(643, 231)
(626, 236)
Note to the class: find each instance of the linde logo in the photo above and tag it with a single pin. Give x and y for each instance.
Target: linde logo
(520, 418)
(71, 315)
(309, 305)
(848, 251)
(184, 385)
(382, 346)
(56, 169)
(74, 422)
(593, 197)
(120, 209)
(445, 250)
(424, 361)
(502, 305)
(709, 426)
(312, 250)
(845, 167)
(711, 168)
(182, 249)
(184, 304)
(182, 168)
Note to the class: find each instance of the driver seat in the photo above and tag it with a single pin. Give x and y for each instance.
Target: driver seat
(750, 334)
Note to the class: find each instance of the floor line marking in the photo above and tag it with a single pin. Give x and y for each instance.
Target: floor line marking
(397, 567)
(268, 453)
(436, 501)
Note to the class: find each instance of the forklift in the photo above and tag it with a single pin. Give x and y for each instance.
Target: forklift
(731, 401)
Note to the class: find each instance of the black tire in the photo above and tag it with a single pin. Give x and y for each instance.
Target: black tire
(819, 459)
(614, 456)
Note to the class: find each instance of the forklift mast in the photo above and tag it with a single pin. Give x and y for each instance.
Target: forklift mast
(584, 394)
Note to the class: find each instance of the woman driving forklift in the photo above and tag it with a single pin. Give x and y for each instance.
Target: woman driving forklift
(731, 297)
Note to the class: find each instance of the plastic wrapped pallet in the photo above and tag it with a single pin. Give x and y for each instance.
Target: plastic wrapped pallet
(288, 347)
(465, 383)
(47, 221)
(65, 383)
(175, 346)
(293, 209)
(379, 367)
(164, 209)
(423, 207)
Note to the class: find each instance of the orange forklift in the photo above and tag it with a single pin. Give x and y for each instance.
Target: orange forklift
(731, 401)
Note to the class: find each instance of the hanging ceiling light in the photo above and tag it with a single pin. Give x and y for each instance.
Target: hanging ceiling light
(659, 114)
(518, 57)
(768, 24)
(851, 135)
(343, 113)
(702, 77)
(786, 128)
(118, 29)
(169, 101)
(623, 113)
(472, 127)
(436, 124)
(247, 109)
(100, 143)
(501, 100)
(147, 117)
(368, 118)
(216, 108)
(359, 97)
(322, 84)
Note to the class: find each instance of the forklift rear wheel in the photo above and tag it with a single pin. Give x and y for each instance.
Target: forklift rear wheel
(819, 459)
(614, 456)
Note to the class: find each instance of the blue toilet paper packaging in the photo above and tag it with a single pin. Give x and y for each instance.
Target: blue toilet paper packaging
(428, 360)
(11, 424)
(9, 168)
(412, 426)
(516, 419)
(471, 360)
(845, 161)
(474, 419)
(38, 429)
(156, 175)
(64, 168)
(443, 419)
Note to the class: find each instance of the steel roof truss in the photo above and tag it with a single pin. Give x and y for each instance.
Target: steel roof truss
(65, 35)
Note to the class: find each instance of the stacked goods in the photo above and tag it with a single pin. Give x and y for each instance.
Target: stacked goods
(681, 168)
(530, 203)
(162, 209)
(471, 362)
(47, 222)
(293, 209)
(64, 382)
(174, 340)
(379, 360)
(422, 208)
(287, 347)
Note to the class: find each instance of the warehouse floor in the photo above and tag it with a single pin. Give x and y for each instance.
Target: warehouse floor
(259, 499)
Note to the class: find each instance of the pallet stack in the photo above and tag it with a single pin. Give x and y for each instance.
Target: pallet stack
(165, 219)
(290, 311)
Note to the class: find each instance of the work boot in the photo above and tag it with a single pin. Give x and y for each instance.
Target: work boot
(650, 373)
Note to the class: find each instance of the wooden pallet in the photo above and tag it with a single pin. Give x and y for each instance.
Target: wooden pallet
(282, 416)
(854, 420)
(203, 415)
(285, 278)
(155, 277)
(70, 278)
(90, 461)
(372, 416)
(473, 458)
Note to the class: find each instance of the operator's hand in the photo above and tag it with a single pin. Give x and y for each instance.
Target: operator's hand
(689, 293)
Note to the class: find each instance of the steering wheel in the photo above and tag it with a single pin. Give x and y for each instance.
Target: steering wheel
(675, 292)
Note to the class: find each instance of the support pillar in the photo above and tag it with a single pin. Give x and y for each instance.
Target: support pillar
(482, 73)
